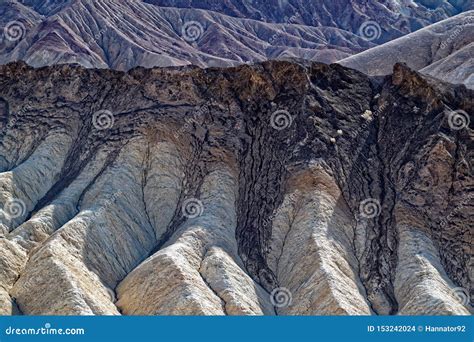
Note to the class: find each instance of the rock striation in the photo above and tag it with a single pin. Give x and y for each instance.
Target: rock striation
(271, 189)
(125, 34)
(443, 50)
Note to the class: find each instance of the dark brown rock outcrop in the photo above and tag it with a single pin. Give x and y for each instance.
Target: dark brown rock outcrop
(272, 188)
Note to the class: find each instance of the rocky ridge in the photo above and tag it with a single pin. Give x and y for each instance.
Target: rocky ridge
(395, 17)
(275, 188)
(444, 50)
(125, 34)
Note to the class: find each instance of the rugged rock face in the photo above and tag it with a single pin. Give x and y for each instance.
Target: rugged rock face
(395, 17)
(125, 34)
(325, 11)
(269, 189)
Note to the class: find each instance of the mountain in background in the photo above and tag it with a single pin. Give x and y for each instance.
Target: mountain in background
(122, 35)
(395, 17)
(443, 50)
(125, 34)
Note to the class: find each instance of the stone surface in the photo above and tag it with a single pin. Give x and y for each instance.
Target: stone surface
(149, 35)
(125, 34)
(421, 281)
(278, 188)
(313, 254)
(180, 287)
(443, 50)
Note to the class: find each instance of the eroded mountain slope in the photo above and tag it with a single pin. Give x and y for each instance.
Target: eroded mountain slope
(125, 34)
(395, 17)
(265, 189)
(444, 50)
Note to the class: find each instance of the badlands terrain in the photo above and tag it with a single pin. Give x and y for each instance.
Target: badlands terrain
(277, 188)
(199, 157)
(125, 34)
(443, 50)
